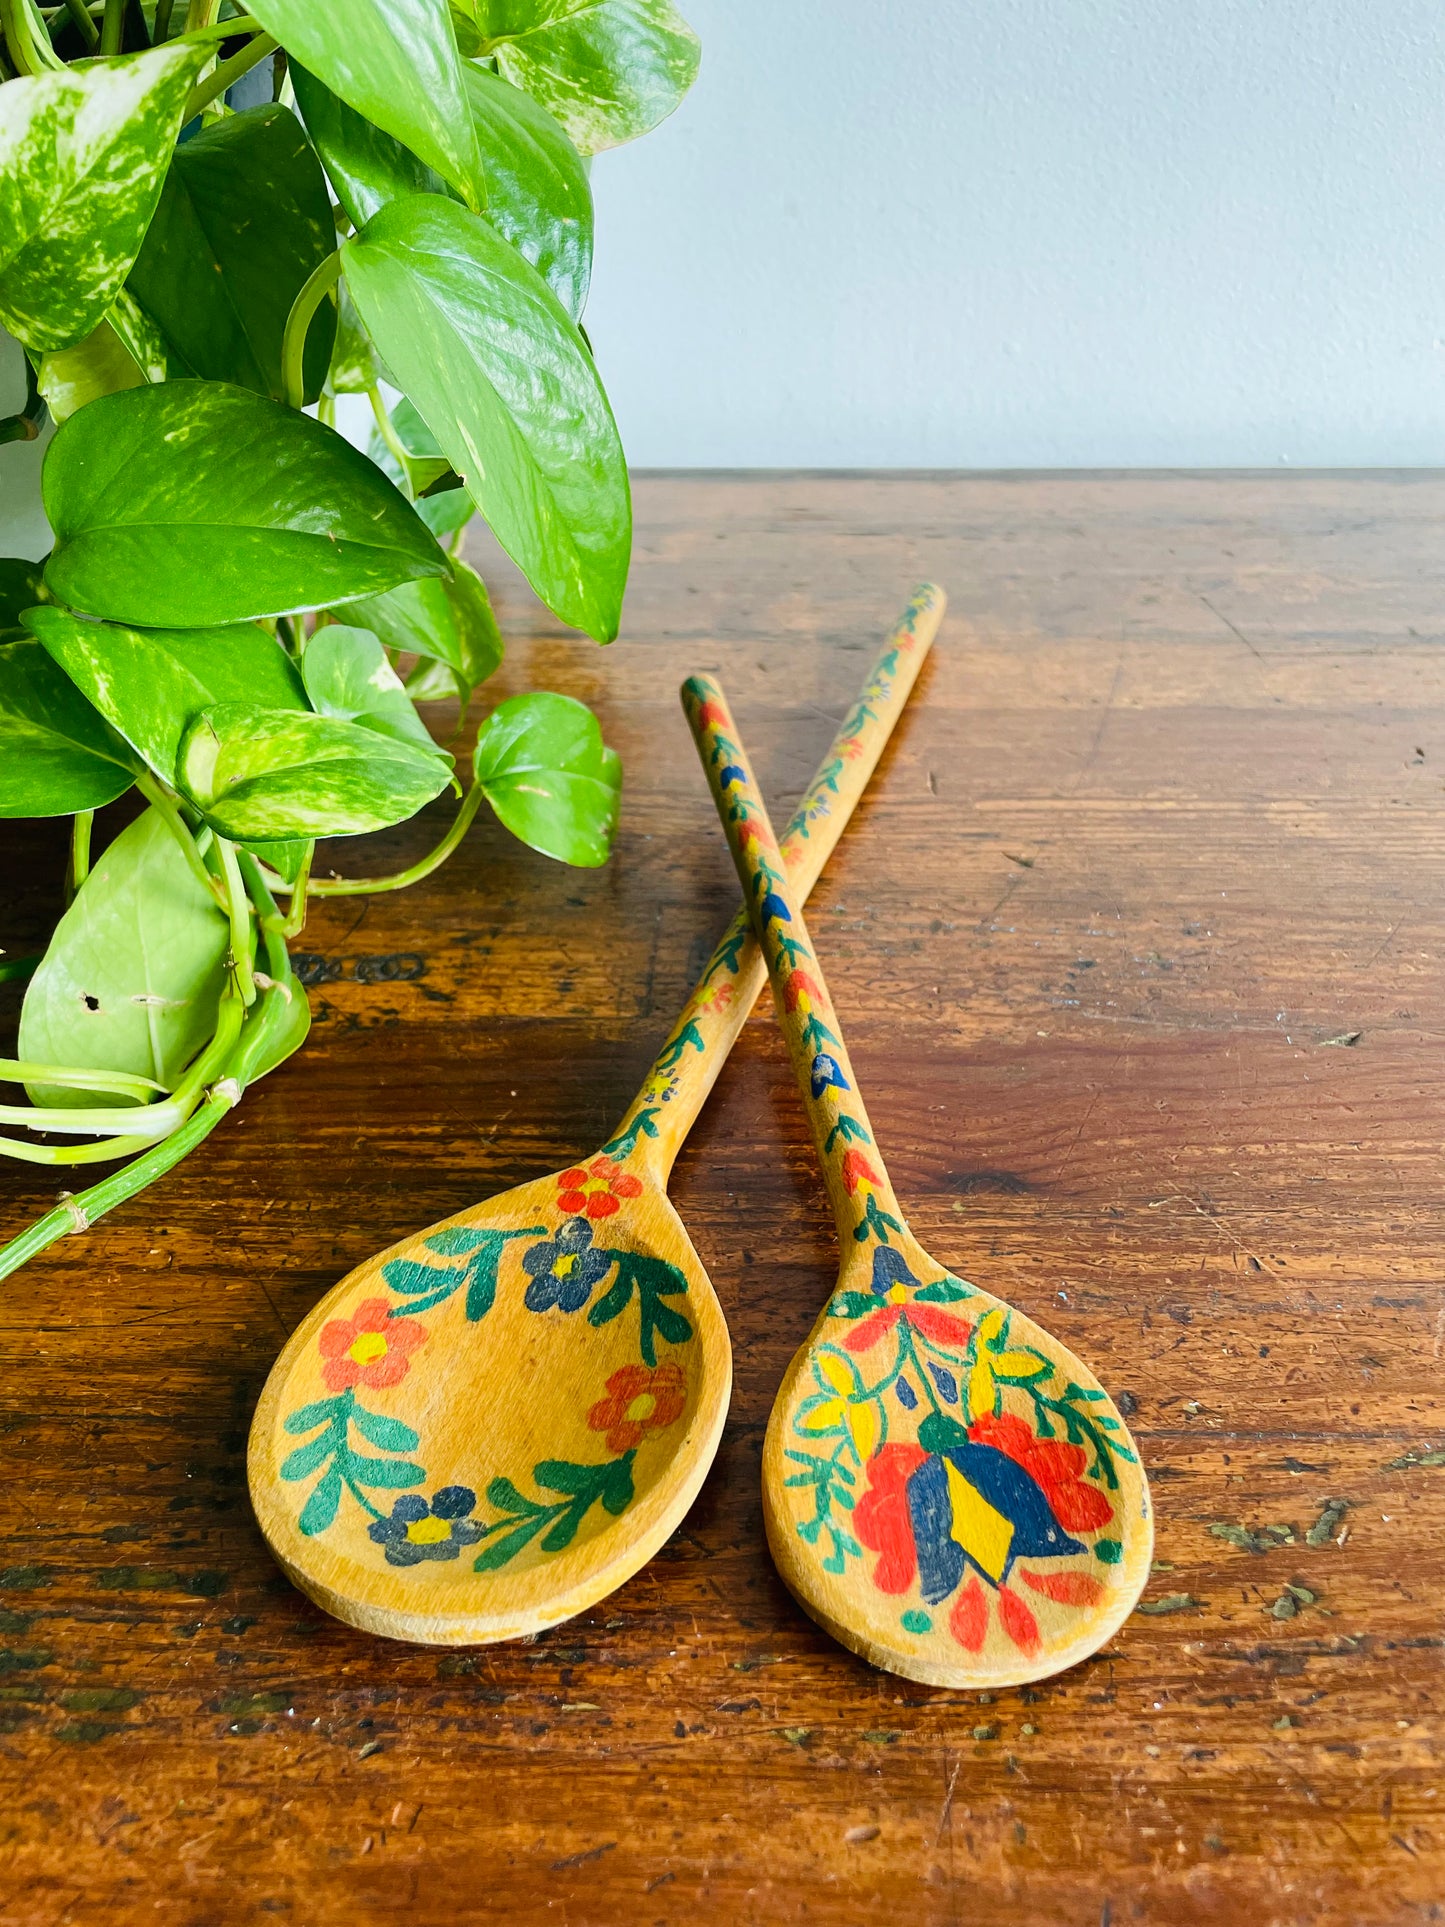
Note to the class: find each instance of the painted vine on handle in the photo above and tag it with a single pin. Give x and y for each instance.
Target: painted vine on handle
(715, 989)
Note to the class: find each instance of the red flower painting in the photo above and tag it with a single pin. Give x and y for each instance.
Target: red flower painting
(1056, 1465)
(638, 1401)
(368, 1348)
(596, 1188)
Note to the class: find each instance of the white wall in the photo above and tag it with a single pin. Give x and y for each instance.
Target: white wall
(1035, 232)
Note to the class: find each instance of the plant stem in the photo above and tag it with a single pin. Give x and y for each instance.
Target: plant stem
(14, 970)
(161, 29)
(80, 14)
(223, 29)
(200, 13)
(293, 345)
(112, 26)
(228, 73)
(238, 908)
(79, 1213)
(176, 823)
(15, 1070)
(392, 439)
(80, 825)
(368, 886)
(30, 51)
(296, 921)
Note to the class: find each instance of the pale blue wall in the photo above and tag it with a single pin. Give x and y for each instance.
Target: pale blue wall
(1035, 232)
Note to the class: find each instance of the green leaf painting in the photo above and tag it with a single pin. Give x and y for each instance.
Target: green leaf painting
(608, 69)
(243, 219)
(546, 772)
(553, 1523)
(83, 153)
(397, 64)
(134, 972)
(198, 503)
(497, 369)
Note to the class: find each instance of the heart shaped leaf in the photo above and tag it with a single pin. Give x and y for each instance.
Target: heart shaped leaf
(348, 676)
(148, 683)
(396, 62)
(538, 194)
(608, 69)
(83, 152)
(451, 622)
(218, 280)
(195, 504)
(134, 971)
(56, 754)
(498, 370)
(546, 772)
(266, 774)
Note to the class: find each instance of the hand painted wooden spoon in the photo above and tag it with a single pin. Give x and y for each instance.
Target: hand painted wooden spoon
(947, 1490)
(486, 1428)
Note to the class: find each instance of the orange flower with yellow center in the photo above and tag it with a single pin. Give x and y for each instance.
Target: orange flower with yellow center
(638, 1401)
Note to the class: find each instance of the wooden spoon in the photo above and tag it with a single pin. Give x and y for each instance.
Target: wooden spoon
(946, 1488)
(486, 1428)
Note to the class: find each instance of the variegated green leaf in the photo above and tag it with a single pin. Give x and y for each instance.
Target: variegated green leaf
(123, 350)
(537, 189)
(395, 63)
(83, 152)
(607, 69)
(498, 371)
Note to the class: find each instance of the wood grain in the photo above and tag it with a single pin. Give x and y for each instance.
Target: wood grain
(1167, 819)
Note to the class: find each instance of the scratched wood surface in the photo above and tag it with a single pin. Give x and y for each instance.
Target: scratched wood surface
(1139, 948)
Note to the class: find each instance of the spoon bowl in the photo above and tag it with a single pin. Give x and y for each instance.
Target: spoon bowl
(947, 1489)
(490, 1426)
(515, 1408)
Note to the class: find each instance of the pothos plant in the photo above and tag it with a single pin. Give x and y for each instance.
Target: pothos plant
(241, 609)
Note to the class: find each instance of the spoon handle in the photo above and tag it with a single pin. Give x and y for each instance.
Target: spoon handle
(697, 1047)
(863, 1201)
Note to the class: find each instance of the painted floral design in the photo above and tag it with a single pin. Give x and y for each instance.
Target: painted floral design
(464, 1268)
(952, 1510)
(596, 1187)
(563, 1269)
(348, 1452)
(955, 1459)
(638, 1401)
(1057, 1466)
(419, 1529)
(896, 1286)
(370, 1348)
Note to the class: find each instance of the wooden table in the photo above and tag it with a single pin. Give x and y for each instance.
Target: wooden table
(1139, 948)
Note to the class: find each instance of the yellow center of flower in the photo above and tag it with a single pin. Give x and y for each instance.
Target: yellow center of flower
(564, 1266)
(594, 1185)
(427, 1532)
(368, 1346)
(897, 1295)
(641, 1409)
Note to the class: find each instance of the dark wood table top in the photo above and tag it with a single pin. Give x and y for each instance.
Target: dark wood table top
(1139, 944)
